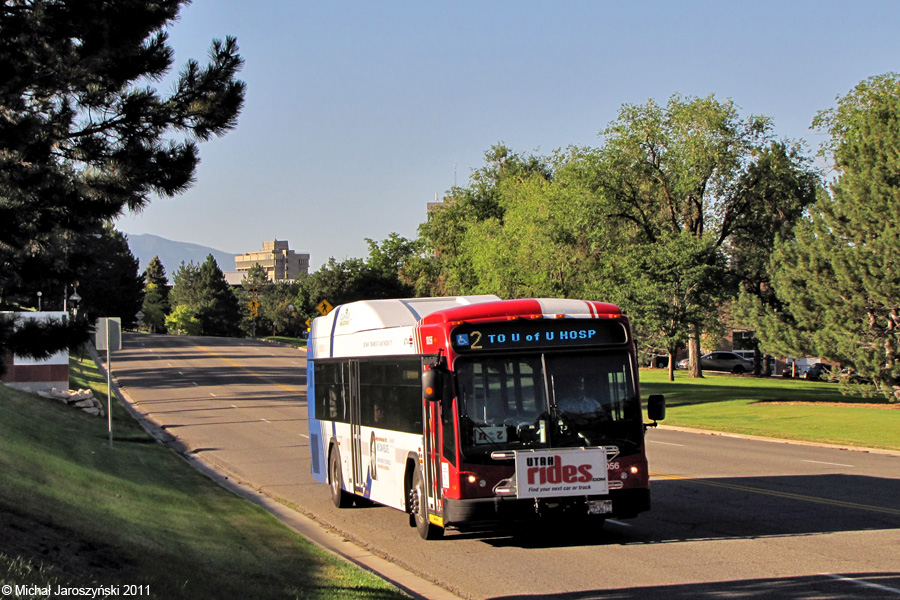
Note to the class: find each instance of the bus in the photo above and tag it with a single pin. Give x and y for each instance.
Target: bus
(474, 412)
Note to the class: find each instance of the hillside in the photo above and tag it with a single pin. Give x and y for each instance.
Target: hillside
(145, 246)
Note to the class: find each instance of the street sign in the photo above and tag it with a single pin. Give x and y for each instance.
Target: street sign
(109, 333)
(324, 307)
(108, 337)
(254, 307)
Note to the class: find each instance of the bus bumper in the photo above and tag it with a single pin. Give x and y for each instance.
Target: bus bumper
(482, 512)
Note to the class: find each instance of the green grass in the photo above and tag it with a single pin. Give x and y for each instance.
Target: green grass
(776, 407)
(75, 512)
(298, 342)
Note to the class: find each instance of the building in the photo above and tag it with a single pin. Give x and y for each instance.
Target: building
(33, 374)
(280, 262)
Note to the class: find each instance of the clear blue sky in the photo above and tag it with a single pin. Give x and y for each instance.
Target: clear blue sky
(358, 113)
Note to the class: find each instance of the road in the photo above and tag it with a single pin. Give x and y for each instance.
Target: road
(731, 517)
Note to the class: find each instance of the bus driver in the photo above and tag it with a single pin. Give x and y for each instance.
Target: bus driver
(578, 403)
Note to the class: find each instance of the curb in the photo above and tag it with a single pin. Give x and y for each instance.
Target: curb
(761, 438)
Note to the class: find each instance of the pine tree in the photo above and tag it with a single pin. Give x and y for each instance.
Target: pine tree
(84, 135)
(110, 285)
(840, 278)
(217, 306)
(155, 275)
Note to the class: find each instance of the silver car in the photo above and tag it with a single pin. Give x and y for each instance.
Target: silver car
(722, 361)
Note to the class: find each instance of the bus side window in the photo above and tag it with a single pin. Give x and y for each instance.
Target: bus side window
(330, 392)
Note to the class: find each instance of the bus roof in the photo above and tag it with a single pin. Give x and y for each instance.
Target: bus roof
(366, 315)
(374, 327)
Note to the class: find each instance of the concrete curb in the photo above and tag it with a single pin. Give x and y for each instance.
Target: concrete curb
(781, 440)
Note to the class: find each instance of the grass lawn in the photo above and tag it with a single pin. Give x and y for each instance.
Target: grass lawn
(75, 513)
(775, 407)
(298, 342)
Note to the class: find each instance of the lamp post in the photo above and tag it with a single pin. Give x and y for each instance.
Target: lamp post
(74, 299)
(39, 294)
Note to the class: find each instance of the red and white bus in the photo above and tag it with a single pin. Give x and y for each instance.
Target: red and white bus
(471, 412)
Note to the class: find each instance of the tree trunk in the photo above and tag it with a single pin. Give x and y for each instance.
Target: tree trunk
(672, 366)
(694, 352)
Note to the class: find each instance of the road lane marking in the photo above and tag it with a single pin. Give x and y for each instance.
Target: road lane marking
(862, 582)
(819, 462)
(788, 495)
(213, 395)
(264, 420)
(617, 522)
(254, 373)
(666, 443)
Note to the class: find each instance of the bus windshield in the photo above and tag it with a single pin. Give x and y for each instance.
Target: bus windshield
(547, 400)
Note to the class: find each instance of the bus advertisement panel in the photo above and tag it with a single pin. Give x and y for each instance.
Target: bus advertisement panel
(471, 411)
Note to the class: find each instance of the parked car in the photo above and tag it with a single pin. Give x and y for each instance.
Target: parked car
(749, 354)
(722, 361)
(819, 372)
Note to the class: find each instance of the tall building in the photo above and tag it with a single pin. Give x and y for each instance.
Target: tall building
(280, 262)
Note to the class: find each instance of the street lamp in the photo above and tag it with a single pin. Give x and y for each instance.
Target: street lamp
(39, 294)
(75, 299)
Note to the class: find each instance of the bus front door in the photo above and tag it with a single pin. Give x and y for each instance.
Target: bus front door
(432, 464)
(359, 471)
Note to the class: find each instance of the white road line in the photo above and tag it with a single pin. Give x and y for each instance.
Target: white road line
(819, 462)
(264, 421)
(213, 395)
(862, 582)
(616, 522)
(666, 443)
(233, 406)
(304, 435)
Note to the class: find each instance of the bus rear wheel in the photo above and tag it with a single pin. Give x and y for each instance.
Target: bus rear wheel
(418, 508)
(340, 498)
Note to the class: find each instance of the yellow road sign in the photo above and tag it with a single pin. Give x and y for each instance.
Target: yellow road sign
(254, 307)
(324, 307)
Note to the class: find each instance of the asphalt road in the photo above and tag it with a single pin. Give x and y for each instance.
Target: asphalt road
(731, 518)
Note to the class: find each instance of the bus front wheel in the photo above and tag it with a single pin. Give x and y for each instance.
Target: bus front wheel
(340, 498)
(418, 508)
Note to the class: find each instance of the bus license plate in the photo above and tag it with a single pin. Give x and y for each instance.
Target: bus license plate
(599, 507)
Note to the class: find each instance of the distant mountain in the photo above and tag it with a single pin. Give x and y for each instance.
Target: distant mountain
(145, 246)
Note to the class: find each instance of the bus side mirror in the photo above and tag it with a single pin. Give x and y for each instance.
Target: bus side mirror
(656, 407)
(432, 384)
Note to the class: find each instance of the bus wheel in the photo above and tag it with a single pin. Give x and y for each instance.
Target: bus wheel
(418, 508)
(340, 498)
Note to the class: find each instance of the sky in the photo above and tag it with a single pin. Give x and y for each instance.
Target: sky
(359, 113)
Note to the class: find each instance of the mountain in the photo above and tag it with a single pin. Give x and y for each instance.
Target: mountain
(145, 246)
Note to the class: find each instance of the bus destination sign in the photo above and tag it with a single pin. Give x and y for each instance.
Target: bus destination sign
(525, 334)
